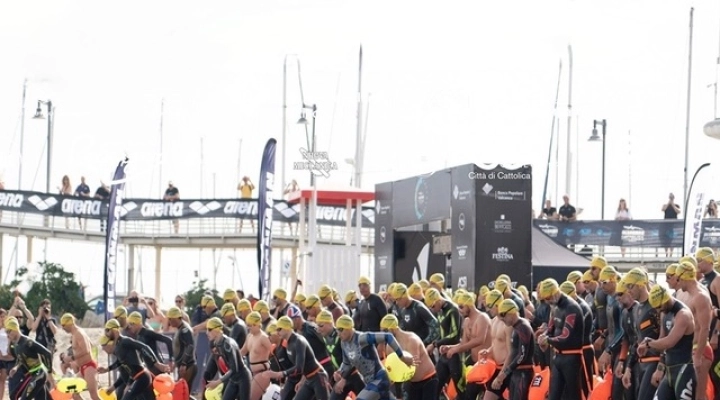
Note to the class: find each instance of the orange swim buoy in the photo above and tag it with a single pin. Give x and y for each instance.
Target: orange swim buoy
(450, 390)
(603, 388)
(540, 385)
(56, 394)
(482, 371)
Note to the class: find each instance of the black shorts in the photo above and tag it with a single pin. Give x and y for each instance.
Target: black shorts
(7, 365)
(499, 392)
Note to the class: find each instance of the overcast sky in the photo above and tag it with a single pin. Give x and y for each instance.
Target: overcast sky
(461, 83)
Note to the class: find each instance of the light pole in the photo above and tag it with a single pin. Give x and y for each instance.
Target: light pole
(596, 138)
(311, 140)
(50, 118)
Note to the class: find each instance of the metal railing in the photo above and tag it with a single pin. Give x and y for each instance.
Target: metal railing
(191, 227)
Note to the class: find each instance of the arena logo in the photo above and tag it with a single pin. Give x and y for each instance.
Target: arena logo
(42, 204)
(13, 200)
(81, 207)
(550, 230)
(127, 207)
(245, 208)
(632, 234)
(164, 209)
(503, 254)
(203, 208)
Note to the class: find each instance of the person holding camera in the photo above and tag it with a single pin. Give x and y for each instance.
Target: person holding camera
(135, 302)
(245, 191)
(45, 326)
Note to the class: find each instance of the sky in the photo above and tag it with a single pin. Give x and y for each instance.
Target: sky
(441, 86)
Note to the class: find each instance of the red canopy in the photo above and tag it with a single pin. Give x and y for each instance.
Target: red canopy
(332, 197)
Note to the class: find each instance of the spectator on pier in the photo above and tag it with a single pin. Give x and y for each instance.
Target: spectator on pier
(102, 193)
(82, 190)
(290, 188)
(173, 194)
(711, 211)
(66, 190)
(549, 212)
(623, 214)
(671, 211)
(245, 191)
(567, 211)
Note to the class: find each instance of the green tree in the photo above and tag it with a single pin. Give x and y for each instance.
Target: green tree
(55, 284)
(196, 293)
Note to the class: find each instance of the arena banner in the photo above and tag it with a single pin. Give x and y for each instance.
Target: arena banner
(384, 237)
(265, 217)
(153, 209)
(462, 227)
(117, 192)
(504, 218)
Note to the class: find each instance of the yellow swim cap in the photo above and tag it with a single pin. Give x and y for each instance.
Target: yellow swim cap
(636, 276)
(548, 288)
(261, 306)
(324, 291)
(11, 324)
(285, 323)
(227, 309)
(389, 321)
(465, 299)
(501, 285)
(686, 271)
(364, 280)
(135, 318)
(431, 297)
(67, 319)
(280, 293)
(325, 317)
(658, 296)
(174, 312)
(609, 273)
(438, 279)
(588, 276)
(229, 294)
(312, 301)
(104, 340)
(244, 305)
(493, 298)
(705, 254)
(300, 298)
(671, 269)
(345, 322)
(568, 288)
(271, 328)
(524, 290)
(690, 259)
(254, 318)
(120, 312)
(574, 276)
(112, 324)
(598, 262)
(214, 323)
(399, 291)
(621, 287)
(415, 289)
(207, 301)
(350, 296)
(424, 284)
(507, 306)
(484, 290)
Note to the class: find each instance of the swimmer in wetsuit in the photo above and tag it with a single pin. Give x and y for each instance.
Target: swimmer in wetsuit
(150, 338)
(108, 346)
(570, 289)
(34, 358)
(680, 381)
(236, 380)
(354, 383)
(183, 347)
(304, 364)
(360, 352)
(128, 357)
(310, 332)
(517, 374)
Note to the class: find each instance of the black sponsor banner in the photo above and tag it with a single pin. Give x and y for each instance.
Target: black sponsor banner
(462, 202)
(151, 209)
(384, 236)
(504, 217)
(421, 199)
(265, 218)
(417, 260)
(636, 233)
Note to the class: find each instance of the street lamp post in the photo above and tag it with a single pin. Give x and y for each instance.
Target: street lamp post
(50, 118)
(311, 141)
(312, 217)
(596, 138)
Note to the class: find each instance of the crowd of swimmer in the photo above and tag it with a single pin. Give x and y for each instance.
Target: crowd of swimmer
(651, 342)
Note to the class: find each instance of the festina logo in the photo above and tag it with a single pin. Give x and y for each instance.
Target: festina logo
(164, 209)
(11, 200)
(81, 207)
(502, 254)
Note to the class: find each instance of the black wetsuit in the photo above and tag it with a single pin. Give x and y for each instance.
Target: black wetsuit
(519, 371)
(151, 339)
(601, 321)
(680, 379)
(278, 312)
(418, 319)
(450, 322)
(518, 299)
(714, 376)
(588, 351)
(238, 332)
(305, 364)
(267, 322)
(279, 361)
(130, 354)
(310, 332)
(370, 311)
(615, 334)
(542, 316)
(354, 382)
(645, 324)
(33, 358)
(565, 331)
(184, 352)
(215, 364)
(622, 344)
(236, 381)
